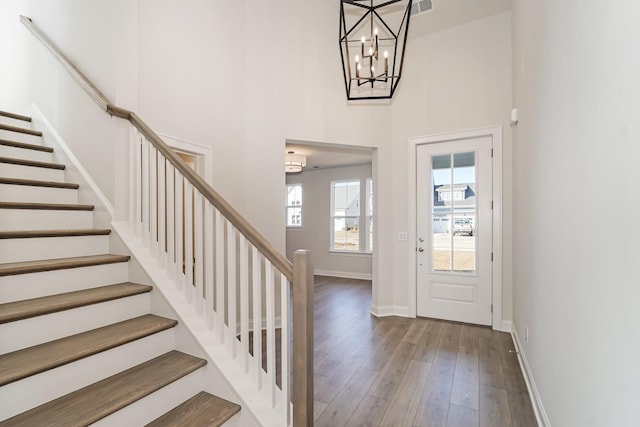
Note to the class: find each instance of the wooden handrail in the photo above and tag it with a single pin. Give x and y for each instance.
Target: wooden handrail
(238, 221)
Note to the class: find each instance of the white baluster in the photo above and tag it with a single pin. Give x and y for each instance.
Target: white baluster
(220, 300)
(162, 211)
(146, 235)
(133, 174)
(231, 289)
(209, 260)
(179, 183)
(153, 201)
(171, 222)
(138, 184)
(199, 258)
(188, 240)
(271, 333)
(257, 317)
(244, 304)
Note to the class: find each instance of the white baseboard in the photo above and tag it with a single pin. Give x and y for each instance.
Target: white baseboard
(343, 274)
(536, 401)
(390, 310)
(73, 165)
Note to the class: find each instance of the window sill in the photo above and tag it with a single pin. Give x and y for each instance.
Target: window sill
(361, 253)
(294, 228)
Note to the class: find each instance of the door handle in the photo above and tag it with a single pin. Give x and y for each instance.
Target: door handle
(420, 249)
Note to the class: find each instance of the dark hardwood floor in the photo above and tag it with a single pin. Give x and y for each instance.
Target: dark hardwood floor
(395, 371)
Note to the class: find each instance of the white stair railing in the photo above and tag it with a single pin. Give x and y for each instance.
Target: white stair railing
(232, 277)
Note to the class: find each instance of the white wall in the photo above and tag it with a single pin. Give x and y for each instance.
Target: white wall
(315, 231)
(455, 80)
(576, 151)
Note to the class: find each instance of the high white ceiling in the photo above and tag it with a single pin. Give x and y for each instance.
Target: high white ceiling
(450, 13)
(443, 15)
(323, 156)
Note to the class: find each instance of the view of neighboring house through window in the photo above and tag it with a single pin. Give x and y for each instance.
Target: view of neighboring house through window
(345, 221)
(294, 205)
(347, 216)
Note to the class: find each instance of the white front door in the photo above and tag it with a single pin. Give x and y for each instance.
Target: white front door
(454, 230)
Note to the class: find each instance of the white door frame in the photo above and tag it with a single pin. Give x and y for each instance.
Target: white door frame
(496, 242)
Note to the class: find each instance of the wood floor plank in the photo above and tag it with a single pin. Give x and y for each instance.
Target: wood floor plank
(460, 416)
(489, 361)
(18, 310)
(469, 335)
(25, 267)
(465, 390)
(494, 407)
(34, 360)
(406, 400)
(434, 406)
(342, 407)
(428, 344)
(326, 387)
(318, 409)
(449, 340)
(522, 414)
(369, 413)
(393, 371)
(202, 410)
(514, 381)
(96, 401)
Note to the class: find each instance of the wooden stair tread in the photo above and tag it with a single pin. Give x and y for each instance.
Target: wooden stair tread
(32, 163)
(46, 206)
(27, 234)
(20, 130)
(39, 183)
(19, 310)
(15, 116)
(11, 268)
(30, 361)
(26, 146)
(96, 401)
(202, 410)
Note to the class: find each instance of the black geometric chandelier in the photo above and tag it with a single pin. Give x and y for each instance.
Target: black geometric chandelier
(373, 35)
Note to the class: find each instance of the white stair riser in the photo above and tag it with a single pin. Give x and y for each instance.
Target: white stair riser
(151, 407)
(30, 219)
(37, 330)
(30, 392)
(31, 172)
(30, 193)
(26, 154)
(32, 249)
(16, 122)
(34, 285)
(20, 137)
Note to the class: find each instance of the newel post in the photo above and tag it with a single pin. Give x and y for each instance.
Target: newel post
(302, 339)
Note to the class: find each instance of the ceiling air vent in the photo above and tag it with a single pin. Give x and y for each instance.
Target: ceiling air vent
(419, 6)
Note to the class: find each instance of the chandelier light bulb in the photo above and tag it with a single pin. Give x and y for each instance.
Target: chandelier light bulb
(363, 39)
(358, 58)
(370, 51)
(386, 55)
(375, 31)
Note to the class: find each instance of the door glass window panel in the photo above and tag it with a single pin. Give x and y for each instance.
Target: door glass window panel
(441, 212)
(464, 212)
(453, 215)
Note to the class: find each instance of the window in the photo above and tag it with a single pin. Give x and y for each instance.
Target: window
(294, 205)
(345, 215)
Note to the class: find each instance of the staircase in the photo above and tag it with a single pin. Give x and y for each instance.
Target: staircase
(78, 344)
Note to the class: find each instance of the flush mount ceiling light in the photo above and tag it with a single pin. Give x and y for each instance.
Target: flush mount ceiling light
(373, 35)
(294, 163)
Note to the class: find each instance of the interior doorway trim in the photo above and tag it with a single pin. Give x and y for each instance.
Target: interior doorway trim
(496, 162)
(202, 153)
